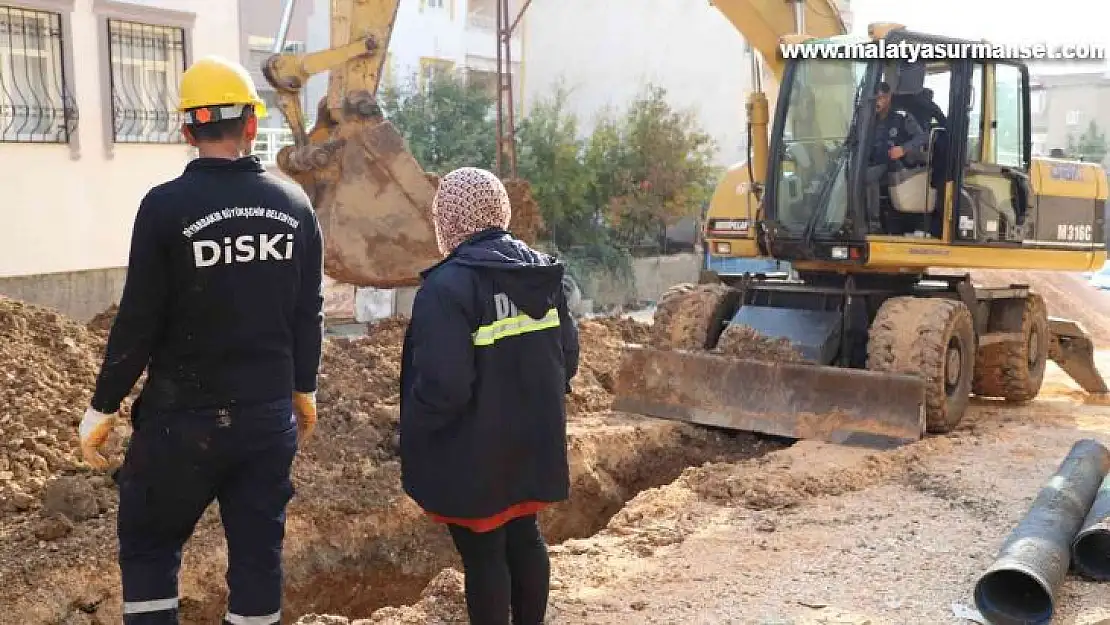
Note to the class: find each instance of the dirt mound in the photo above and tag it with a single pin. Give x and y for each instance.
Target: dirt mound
(49, 365)
(629, 330)
(526, 222)
(601, 340)
(744, 342)
(685, 315)
(1066, 294)
(57, 516)
(102, 322)
(808, 469)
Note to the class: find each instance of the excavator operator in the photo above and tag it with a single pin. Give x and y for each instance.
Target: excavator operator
(899, 140)
(222, 306)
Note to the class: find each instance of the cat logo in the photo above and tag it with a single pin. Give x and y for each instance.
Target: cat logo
(1074, 232)
(1066, 171)
(245, 249)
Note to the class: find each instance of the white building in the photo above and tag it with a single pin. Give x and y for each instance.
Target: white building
(432, 36)
(88, 92)
(88, 124)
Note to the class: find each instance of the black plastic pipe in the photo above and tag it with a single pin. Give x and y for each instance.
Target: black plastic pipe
(1090, 551)
(1020, 587)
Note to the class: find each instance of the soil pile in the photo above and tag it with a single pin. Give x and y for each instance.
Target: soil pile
(628, 330)
(526, 222)
(601, 341)
(744, 342)
(102, 322)
(49, 366)
(1066, 294)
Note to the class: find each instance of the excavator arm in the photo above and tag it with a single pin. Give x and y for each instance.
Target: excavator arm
(372, 198)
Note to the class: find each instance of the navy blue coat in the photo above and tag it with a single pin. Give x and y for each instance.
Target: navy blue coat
(487, 361)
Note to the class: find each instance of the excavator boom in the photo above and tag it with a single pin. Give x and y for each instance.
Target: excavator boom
(372, 198)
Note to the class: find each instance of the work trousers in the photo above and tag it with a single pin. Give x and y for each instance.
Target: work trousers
(176, 465)
(505, 568)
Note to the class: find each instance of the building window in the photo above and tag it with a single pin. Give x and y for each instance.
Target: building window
(146, 66)
(1072, 118)
(35, 104)
(434, 4)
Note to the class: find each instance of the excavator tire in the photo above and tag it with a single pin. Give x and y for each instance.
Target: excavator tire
(1014, 371)
(930, 337)
(688, 315)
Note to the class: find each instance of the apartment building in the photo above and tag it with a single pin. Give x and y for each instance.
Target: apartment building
(1063, 105)
(88, 123)
(258, 25)
(431, 36)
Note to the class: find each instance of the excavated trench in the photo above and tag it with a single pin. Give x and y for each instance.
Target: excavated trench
(354, 542)
(387, 558)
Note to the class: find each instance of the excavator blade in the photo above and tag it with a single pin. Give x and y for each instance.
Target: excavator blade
(833, 404)
(1071, 348)
(374, 204)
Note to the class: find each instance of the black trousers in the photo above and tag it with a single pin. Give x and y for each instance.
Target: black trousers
(506, 568)
(176, 465)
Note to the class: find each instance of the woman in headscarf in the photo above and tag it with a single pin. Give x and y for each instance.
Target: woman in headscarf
(488, 357)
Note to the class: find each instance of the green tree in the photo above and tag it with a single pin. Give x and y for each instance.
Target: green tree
(550, 157)
(653, 167)
(447, 123)
(1091, 145)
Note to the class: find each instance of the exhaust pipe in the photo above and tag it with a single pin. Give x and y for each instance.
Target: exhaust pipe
(1090, 551)
(1020, 587)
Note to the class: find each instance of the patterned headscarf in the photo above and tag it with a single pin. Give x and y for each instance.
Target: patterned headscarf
(468, 201)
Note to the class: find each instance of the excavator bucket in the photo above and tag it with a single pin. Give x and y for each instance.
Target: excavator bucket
(374, 203)
(1071, 348)
(833, 404)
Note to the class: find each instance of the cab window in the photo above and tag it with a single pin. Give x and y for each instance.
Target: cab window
(1009, 109)
(975, 115)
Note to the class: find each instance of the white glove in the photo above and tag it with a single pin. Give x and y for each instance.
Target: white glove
(94, 430)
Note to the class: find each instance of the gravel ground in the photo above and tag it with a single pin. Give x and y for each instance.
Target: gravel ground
(901, 545)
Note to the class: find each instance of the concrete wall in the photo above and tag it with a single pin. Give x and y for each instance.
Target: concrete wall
(656, 274)
(80, 294)
(653, 275)
(69, 207)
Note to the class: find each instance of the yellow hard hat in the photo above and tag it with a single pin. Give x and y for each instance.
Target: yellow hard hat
(214, 81)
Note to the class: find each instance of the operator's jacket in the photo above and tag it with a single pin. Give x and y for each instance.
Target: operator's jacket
(488, 357)
(898, 128)
(223, 294)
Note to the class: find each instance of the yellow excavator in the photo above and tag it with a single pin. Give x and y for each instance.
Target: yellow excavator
(886, 342)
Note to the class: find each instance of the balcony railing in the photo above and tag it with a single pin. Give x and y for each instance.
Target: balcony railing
(270, 141)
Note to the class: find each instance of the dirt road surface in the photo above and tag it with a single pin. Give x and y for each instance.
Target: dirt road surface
(667, 523)
(819, 534)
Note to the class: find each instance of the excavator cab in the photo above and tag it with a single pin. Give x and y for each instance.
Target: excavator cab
(882, 336)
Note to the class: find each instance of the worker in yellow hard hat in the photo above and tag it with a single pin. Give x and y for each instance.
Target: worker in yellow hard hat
(222, 307)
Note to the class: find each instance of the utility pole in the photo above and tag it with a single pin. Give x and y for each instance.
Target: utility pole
(506, 118)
